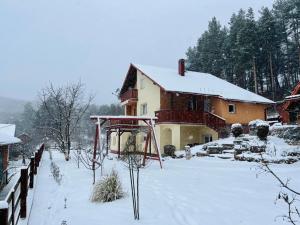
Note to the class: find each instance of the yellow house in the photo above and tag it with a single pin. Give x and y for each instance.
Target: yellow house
(191, 107)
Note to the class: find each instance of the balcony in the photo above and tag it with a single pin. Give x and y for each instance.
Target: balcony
(190, 117)
(179, 116)
(129, 95)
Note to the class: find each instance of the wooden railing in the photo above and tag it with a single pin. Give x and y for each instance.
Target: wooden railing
(130, 94)
(7, 175)
(180, 116)
(14, 204)
(215, 122)
(192, 117)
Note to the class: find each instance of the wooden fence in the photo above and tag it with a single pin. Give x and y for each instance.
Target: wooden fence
(15, 204)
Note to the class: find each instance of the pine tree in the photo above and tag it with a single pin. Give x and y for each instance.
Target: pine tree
(269, 45)
(208, 56)
(260, 55)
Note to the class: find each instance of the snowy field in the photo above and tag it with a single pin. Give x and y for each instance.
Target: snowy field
(208, 191)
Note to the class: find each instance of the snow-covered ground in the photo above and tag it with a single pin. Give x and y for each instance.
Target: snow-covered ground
(276, 148)
(208, 191)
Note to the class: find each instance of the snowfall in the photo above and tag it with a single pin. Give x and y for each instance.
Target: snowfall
(202, 190)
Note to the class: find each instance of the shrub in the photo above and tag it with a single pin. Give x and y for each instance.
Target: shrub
(236, 129)
(169, 150)
(56, 172)
(262, 130)
(253, 126)
(108, 189)
(50, 154)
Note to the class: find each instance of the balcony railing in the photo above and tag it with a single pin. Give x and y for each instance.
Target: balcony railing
(131, 94)
(179, 116)
(191, 117)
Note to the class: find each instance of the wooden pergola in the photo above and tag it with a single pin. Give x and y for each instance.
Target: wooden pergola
(126, 124)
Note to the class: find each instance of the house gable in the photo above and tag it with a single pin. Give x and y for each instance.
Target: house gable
(149, 95)
(130, 80)
(295, 95)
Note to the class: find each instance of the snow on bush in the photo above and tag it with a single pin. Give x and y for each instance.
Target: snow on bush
(290, 133)
(252, 126)
(262, 123)
(236, 129)
(262, 130)
(56, 173)
(108, 189)
(254, 123)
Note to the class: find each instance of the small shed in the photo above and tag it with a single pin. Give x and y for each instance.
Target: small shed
(7, 138)
(292, 106)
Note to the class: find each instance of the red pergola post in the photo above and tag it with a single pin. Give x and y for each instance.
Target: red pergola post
(95, 151)
(119, 143)
(146, 147)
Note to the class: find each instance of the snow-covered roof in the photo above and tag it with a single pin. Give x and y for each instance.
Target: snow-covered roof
(7, 134)
(122, 117)
(290, 97)
(199, 83)
(8, 129)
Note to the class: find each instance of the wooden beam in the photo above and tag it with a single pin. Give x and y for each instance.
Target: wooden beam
(146, 147)
(119, 143)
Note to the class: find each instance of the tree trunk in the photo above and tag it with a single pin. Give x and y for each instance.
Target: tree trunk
(273, 89)
(255, 76)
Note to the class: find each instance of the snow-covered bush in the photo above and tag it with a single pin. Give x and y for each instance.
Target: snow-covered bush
(169, 150)
(262, 130)
(253, 126)
(290, 133)
(50, 154)
(236, 129)
(56, 172)
(108, 189)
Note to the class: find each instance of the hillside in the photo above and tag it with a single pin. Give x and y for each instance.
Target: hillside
(10, 105)
(10, 108)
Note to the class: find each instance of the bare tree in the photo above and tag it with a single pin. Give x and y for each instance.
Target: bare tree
(287, 195)
(62, 108)
(86, 157)
(134, 161)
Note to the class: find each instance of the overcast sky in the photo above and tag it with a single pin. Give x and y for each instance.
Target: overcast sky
(63, 41)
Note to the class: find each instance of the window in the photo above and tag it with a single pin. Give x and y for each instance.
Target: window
(231, 108)
(208, 138)
(144, 109)
(207, 105)
(142, 83)
(192, 103)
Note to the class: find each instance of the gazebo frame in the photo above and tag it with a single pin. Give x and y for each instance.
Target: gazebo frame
(123, 124)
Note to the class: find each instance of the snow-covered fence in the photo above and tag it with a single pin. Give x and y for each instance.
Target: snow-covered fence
(13, 198)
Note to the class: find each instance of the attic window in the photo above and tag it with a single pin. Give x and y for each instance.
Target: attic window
(231, 108)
